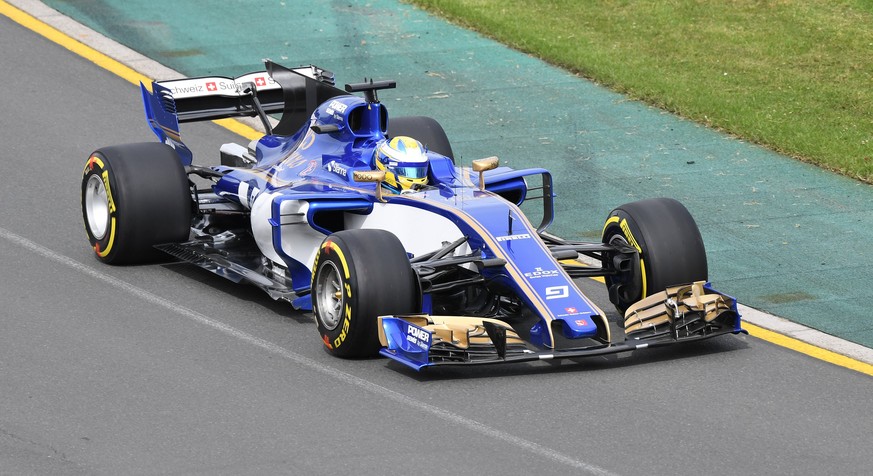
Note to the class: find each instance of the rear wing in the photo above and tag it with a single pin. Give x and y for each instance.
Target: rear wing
(295, 93)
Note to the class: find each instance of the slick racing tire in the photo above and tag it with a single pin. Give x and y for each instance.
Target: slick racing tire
(359, 275)
(669, 245)
(423, 129)
(135, 196)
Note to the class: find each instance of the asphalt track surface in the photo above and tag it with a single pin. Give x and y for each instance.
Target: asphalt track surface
(167, 369)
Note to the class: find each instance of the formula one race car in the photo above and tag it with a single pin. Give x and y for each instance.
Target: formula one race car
(368, 222)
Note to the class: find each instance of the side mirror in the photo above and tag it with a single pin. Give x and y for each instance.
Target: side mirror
(377, 176)
(481, 165)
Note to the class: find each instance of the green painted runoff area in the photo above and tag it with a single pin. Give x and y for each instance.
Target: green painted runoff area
(782, 236)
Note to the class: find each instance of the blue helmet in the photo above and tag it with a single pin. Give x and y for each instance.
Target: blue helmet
(404, 161)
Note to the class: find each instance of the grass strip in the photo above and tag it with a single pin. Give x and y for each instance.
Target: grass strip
(793, 75)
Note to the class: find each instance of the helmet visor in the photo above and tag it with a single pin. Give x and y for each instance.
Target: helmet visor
(412, 172)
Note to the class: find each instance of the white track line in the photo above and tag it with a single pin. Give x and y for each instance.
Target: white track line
(378, 390)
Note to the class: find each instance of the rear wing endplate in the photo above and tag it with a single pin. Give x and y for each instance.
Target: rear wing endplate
(295, 93)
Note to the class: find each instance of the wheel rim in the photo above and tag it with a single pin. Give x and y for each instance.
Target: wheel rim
(328, 292)
(96, 207)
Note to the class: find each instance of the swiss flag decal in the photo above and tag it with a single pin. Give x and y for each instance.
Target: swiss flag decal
(260, 81)
(211, 86)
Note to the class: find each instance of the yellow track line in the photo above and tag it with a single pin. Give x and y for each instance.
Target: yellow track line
(808, 349)
(135, 77)
(71, 44)
(102, 60)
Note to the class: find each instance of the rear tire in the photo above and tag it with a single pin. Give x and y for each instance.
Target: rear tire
(135, 196)
(359, 275)
(669, 244)
(423, 129)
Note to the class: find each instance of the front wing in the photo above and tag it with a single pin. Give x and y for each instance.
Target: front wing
(679, 314)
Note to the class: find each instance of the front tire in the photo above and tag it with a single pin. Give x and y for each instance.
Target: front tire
(135, 196)
(669, 245)
(359, 275)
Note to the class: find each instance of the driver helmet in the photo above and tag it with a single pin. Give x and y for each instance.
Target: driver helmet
(404, 161)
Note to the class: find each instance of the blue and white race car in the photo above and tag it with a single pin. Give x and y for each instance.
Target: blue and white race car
(367, 221)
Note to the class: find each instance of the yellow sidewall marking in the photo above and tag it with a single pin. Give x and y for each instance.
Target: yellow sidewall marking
(330, 246)
(342, 259)
(104, 175)
(93, 160)
(339, 253)
(609, 221)
(633, 241)
(105, 252)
